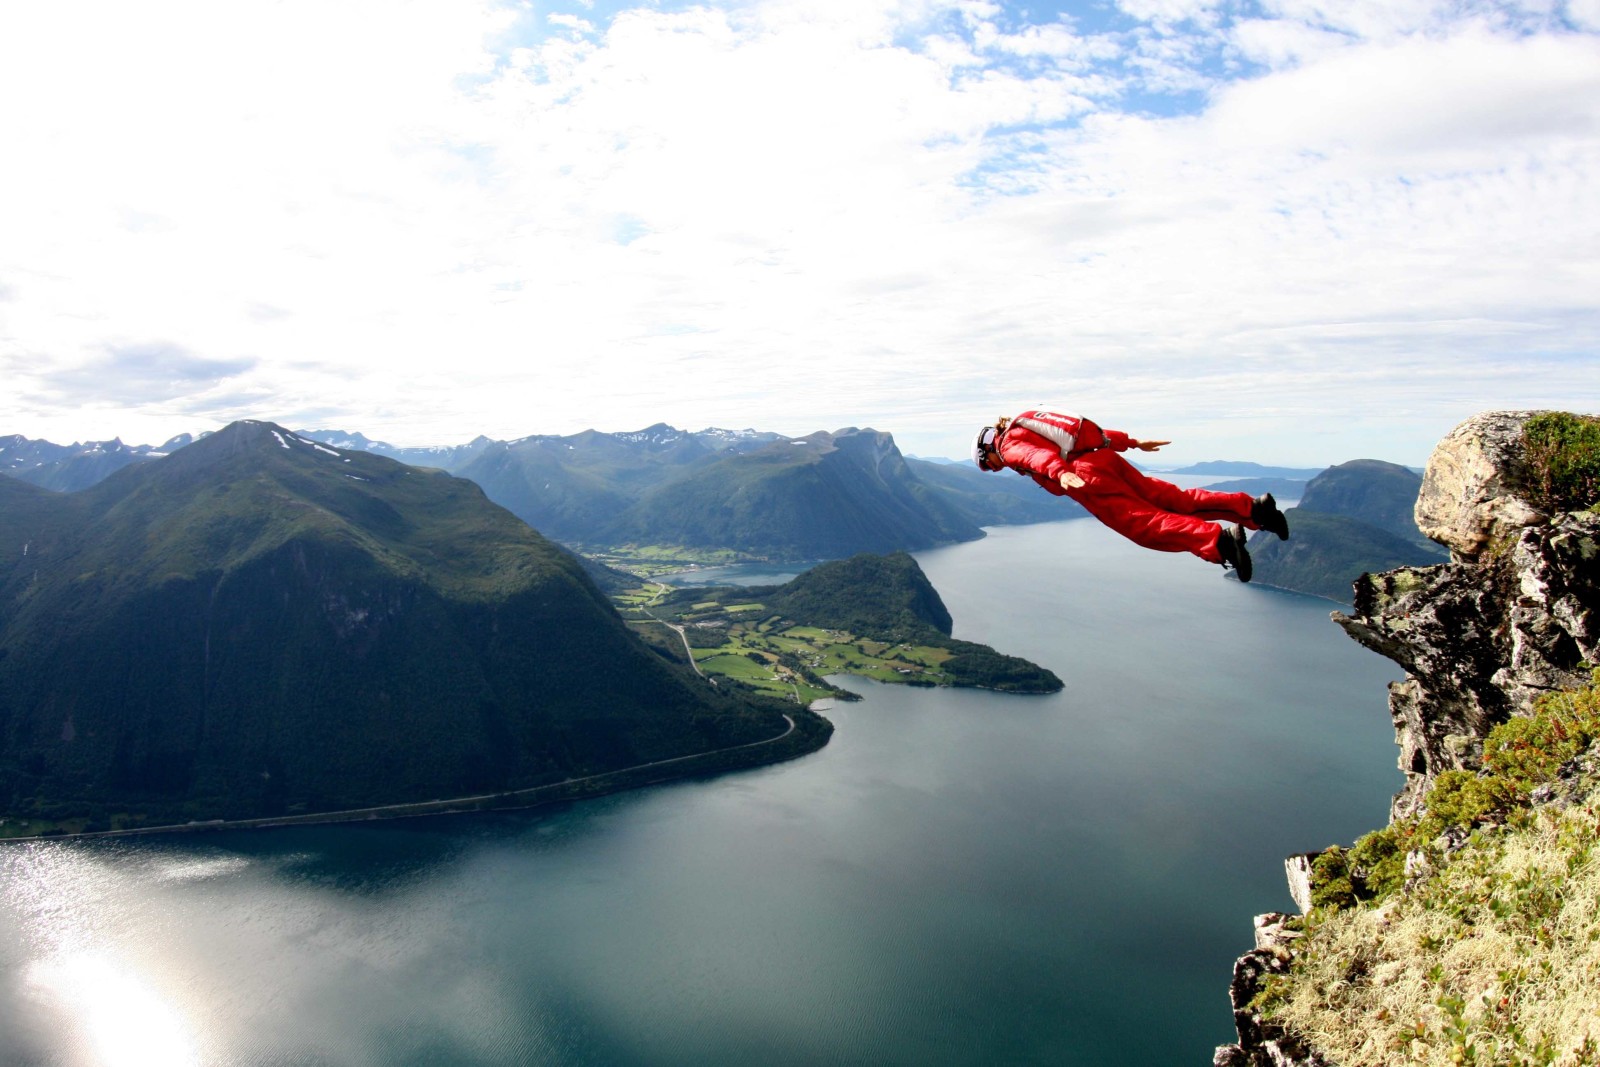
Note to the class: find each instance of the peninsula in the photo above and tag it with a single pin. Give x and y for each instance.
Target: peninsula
(873, 616)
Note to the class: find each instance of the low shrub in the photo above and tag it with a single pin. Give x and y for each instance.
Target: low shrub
(1563, 452)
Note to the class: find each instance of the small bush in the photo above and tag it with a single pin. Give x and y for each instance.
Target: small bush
(1331, 884)
(1462, 800)
(1563, 452)
(1528, 750)
(1379, 860)
(1370, 870)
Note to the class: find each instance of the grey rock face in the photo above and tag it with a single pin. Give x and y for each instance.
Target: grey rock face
(1515, 614)
(1479, 642)
(1263, 1043)
(1297, 870)
(1469, 494)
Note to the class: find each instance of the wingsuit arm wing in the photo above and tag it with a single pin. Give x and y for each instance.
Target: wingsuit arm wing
(1031, 453)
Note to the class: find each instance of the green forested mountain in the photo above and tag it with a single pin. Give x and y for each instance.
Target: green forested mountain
(261, 623)
(1327, 553)
(885, 597)
(824, 496)
(1354, 518)
(1378, 493)
(574, 488)
(993, 499)
(827, 495)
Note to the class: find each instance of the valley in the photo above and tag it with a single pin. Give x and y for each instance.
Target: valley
(735, 639)
(877, 617)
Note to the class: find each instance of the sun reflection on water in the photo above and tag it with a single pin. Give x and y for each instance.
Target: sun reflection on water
(122, 1019)
(78, 921)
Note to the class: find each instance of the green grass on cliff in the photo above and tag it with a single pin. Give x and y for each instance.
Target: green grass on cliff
(1491, 953)
(1493, 960)
(1563, 453)
(1519, 755)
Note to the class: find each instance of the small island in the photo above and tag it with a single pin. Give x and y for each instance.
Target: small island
(874, 616)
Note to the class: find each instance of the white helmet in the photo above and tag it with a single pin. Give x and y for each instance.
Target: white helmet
(984, 442)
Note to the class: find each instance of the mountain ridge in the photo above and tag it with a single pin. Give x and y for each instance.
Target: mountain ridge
(720, 494)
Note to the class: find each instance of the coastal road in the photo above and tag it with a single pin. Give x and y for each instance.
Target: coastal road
(517, 798)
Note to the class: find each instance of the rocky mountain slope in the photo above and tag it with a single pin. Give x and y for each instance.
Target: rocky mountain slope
(1513, 616)
(987, 500)
(1515, 613)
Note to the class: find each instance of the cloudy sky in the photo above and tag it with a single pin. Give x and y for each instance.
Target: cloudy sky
(1295, 231)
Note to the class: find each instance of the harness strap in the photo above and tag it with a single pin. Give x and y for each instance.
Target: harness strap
(1062, 438)
(1105, 442)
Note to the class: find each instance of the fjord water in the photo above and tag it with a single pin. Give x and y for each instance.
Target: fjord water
(960, 877)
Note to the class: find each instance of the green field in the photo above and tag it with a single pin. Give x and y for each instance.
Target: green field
(740, 641)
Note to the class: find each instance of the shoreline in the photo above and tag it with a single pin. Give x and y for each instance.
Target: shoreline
(807, 732)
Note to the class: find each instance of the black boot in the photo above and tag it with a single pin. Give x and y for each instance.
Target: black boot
(1231, 543)
(1265, 514)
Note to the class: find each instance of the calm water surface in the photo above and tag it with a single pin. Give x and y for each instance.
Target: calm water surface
(739, 574)
(958, 878)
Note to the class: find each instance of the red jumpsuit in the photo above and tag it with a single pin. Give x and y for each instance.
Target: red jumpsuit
(1147, 511)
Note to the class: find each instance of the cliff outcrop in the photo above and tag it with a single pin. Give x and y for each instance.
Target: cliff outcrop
(1515, 614)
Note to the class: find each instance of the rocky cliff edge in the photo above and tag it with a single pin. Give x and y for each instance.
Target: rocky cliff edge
(1514, 614)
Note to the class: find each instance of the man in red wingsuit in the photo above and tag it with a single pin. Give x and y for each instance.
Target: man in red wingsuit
(1071, 456)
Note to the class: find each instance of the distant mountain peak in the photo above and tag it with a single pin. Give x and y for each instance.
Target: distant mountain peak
(658, 434)
(68, 468)
(346, 439)
(731, 435)
(1246, 469)
(257, 432)
(244, 437)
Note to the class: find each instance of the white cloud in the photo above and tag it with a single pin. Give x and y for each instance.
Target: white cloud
(796, 216)
(1169, 11)
(1280, 43)
(1474, 93)
(571, 22)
